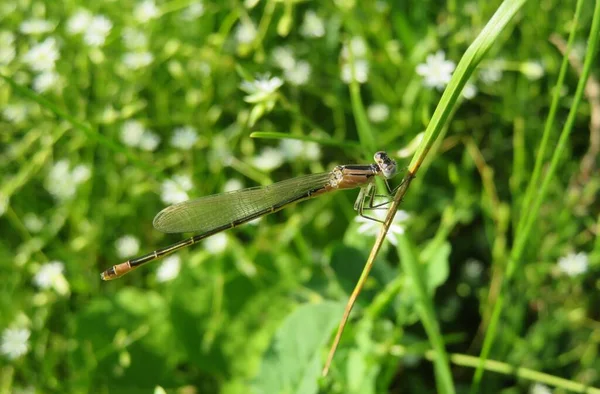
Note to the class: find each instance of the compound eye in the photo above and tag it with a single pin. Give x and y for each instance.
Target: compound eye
(380, 156)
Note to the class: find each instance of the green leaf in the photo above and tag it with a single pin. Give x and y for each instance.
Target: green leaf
(438, 267)
(293, 362)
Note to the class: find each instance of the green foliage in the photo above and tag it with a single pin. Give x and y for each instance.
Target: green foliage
(488, 280)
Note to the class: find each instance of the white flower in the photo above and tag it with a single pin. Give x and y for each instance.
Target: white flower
(233, 184)
(532, 70)
(215, 244)
(169, 269)
(469, 91)
(284, 58)
(3, 203)
(15, 113)
(149, 141)
(175, 190)
(371, 227)
(312, 25)
(245, 33)
(146, 11)
(473, 269)
(7, 47)
(134, 39)
(268, 159)
(33, 223)
(50, 275)
(127, 246)
(573, 264)
(79, 22)
(491, 74)
(378, 112)
(43, 56)
(137, 60)
(262, 89)
(299, 74)
(62, 181)
(358, 46)
(132, 132)
(81, 173)
(295, 149)
(97, 31)
(46, 81)
(194, 11)
(36, 26)
(436, 70)
(184, 138)
(15, 342)
(360, 71)
(539, 388)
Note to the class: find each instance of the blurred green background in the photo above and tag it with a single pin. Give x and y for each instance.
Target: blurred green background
(110, 111)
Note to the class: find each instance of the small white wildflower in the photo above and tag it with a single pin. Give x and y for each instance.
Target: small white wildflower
(7, 47)
(36, 26)
(262, 89)
(43, 56)
(532, 70)
(216, 244)
(97, 31)
(473, 269)
(149, 141)
(175, 190)
(79, 22)
(291, 149)
(194, 11)
(184, 138)
(312, 151)
(62, 181)
(15, 113)
(127, 246)
(312, 25)
(491, 74)
(299, 74)
(268, 159)
(46, 81)
(132, 132)
(358, 46)
(33, 222)
(15, 342)
(469, 91)
(50, 275)
(81, 173)
(378, 112)
(539, 388)
(137, 60)
(146, 11)
(169, 269)
(436, 70)
(371, 227)
(284, 58)
(295, 149)
(232, 184)
(573, 264)
(134, 38)
(245, 33)
(3, 203)
(360, 71)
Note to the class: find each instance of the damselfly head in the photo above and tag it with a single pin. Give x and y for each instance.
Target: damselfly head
(386, 164)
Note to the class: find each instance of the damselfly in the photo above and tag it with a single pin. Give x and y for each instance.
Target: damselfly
(212, 214)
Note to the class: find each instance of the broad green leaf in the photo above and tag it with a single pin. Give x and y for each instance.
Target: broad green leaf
(293, 362)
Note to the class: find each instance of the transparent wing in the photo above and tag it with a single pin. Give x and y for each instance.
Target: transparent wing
(208, 213)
